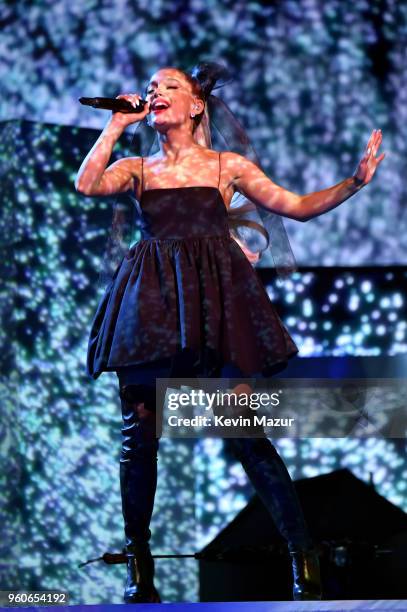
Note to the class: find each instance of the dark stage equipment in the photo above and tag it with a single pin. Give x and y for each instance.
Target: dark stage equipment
(361, 538)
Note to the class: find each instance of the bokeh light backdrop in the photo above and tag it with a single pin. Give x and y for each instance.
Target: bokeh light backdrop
(312, 81)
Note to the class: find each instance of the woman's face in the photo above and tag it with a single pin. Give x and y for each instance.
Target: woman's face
(171, 100)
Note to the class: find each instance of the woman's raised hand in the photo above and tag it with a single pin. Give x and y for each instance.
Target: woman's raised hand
(125, 119)
(368, 164)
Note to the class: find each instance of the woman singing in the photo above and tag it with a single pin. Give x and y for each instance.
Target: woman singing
(185, 300)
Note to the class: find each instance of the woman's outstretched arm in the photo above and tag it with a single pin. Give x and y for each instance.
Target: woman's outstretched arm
(254, 184)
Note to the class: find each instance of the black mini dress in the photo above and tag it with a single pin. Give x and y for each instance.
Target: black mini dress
(186, 297)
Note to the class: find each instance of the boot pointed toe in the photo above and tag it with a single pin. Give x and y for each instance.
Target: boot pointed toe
(140, 574)
(306, 576)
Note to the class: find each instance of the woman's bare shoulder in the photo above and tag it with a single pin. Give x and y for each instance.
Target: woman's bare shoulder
(234, 158)
(131, 162)
(130, 165)
(235, 165)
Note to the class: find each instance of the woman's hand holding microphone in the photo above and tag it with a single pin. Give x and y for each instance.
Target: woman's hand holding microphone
(125, 119)
(93, 176)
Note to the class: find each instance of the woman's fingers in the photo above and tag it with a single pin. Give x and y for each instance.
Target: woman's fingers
(379, 139)
(378, 142)
(368, 149)
(126, 118)
(373, 143)
(134, 99)
(369, 161)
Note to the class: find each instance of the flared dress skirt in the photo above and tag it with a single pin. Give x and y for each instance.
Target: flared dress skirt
(187, 294)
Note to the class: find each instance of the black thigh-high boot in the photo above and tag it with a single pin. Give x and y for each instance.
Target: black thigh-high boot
(272, 482)
(138, 482)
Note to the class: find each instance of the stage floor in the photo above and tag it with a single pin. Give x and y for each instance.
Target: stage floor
(251, 606)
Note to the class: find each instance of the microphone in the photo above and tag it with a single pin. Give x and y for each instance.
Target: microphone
(114, 104)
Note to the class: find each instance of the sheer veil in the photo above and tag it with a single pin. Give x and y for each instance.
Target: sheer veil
(256, 229)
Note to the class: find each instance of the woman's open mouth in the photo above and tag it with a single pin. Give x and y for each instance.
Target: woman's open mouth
(160, 106)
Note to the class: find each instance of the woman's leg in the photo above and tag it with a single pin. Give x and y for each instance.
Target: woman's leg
(138, 462)
(138, 476)
(272, 482)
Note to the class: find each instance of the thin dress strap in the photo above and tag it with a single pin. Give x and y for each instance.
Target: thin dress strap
(219, 171)
(142, 179)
